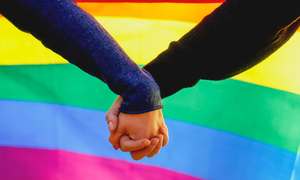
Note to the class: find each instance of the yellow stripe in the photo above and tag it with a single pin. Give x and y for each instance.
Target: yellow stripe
(143, 40)
(17, 47)
(280, 70)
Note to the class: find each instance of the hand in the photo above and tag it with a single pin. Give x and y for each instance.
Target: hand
(131, 132)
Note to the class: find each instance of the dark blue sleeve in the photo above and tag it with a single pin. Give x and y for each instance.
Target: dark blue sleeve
(66, 29)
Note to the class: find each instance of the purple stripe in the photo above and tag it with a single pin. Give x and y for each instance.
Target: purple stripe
(41, 164)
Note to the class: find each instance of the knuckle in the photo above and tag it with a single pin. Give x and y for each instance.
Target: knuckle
(151, 155)
(124, 148)
(107, 117)
(136, 158)
(107, 120)
(110, 139)
(166, 129)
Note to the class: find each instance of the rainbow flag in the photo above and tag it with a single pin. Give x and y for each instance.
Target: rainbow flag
(244, 128)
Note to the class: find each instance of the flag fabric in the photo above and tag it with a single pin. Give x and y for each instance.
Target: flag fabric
(53, 127)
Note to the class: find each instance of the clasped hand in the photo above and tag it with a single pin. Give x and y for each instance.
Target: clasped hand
(140, 134)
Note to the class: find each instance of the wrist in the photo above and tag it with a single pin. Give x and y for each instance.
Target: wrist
(142, 96)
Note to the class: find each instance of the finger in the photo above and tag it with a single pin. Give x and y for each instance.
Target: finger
(112, 115)
(164, 131)
(157, 148)
(114, 139)
(127, 144)
(140, 154)
(112, 121)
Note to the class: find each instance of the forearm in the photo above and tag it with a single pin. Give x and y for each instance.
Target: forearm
(75, 35)
(235, 37)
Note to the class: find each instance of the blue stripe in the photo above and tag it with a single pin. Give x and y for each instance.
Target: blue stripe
(195, 150)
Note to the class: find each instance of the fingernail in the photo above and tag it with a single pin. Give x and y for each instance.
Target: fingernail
(155, 142)
(146, 142)
(110, 126)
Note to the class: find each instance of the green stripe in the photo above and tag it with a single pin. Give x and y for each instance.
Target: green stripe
(250, 110)
(58, 83)
(257, 112)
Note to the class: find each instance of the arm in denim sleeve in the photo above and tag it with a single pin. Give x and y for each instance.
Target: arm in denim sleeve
(66, 29)
(233, 38)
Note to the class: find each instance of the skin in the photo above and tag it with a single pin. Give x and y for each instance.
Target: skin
(140, 134)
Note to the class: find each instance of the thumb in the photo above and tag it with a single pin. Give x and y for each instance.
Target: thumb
(112, 115)
(112, 121)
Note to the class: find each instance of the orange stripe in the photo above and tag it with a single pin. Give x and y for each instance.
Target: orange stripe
(186, 12)
(192, 13)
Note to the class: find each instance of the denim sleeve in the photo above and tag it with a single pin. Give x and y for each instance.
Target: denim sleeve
(69, 31)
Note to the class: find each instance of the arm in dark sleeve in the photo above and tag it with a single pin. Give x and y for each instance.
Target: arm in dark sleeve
(75, 35)
(236, 36)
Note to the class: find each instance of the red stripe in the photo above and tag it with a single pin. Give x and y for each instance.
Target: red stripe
(155, 1)
(42, 164)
